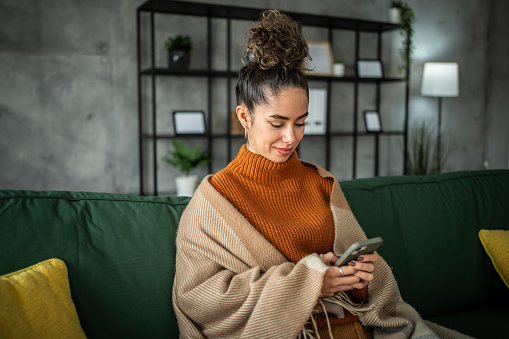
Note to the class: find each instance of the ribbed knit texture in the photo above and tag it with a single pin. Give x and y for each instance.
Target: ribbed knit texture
(289, 204)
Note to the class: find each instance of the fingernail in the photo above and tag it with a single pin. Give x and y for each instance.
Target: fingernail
(360, 258)
(351, 263)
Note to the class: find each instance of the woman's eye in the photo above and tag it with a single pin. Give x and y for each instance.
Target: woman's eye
(281, 125)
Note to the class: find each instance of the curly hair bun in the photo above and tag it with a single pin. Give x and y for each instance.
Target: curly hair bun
(277, 41)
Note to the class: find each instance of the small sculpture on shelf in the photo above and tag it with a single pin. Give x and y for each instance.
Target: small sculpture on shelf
(186, 159)
(179, 49)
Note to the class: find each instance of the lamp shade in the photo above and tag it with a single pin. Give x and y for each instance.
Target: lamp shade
(440, 79)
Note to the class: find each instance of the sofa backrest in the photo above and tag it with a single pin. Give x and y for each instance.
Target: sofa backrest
(119, 250)
(430, 227)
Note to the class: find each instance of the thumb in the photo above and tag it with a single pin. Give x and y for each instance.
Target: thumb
(329, 258)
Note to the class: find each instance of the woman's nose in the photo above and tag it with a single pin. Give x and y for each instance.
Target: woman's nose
(289, 135)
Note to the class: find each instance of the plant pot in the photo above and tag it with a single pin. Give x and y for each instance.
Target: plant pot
(339, 70)
(394, 15)
(186, 185)
(179, 60)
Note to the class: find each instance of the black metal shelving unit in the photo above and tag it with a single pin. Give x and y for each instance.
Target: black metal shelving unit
(229, 13)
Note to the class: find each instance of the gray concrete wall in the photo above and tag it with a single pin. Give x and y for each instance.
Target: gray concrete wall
(496, 123)
(68, 94)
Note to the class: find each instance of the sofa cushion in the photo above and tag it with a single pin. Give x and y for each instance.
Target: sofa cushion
(119, 250)
(496, 244)
(35, 302)
(430, 228)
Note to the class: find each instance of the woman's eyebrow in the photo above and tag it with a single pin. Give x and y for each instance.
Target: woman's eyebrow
(280, 117)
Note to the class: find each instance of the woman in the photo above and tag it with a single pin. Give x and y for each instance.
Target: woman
(256, 244)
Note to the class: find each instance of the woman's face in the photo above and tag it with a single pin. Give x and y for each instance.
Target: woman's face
(274, 130)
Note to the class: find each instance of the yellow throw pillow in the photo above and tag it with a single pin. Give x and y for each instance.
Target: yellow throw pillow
(35, 302)
(496, 244)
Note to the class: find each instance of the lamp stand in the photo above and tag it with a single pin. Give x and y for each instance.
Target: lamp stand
(439, 136)
(440, 79)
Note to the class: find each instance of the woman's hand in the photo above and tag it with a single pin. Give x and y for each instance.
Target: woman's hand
(357, 274)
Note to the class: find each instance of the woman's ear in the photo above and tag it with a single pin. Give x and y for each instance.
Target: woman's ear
(243, 116)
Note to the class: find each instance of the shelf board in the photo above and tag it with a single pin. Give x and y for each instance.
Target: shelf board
(224, 135)
(381, 133)
(173, 136)
(218, 74)
(253, 14)
(194, 136)
(355, 79)
(351, 134)
(190, 72)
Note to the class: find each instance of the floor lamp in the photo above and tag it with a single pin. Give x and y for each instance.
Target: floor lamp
(440, 79)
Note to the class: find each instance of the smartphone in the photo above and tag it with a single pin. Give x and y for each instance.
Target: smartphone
(362, 247)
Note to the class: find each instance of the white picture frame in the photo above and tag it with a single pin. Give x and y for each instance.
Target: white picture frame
(321, 55)
(315, 122)
(189, 122)
(370, 69)
(372, 122)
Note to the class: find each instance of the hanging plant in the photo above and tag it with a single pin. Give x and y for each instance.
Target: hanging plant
(407, 31)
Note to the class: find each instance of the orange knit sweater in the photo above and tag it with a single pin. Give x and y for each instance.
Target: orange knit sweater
(288, 203)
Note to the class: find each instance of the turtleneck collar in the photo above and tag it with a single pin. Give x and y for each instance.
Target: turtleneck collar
(259, 168)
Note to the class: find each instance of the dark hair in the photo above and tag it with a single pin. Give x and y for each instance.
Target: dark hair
(277, 50)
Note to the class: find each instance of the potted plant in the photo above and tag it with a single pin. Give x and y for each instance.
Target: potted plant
(422, 154)
(407, 19)
(339, 68)
(185, 159)
(179, 51)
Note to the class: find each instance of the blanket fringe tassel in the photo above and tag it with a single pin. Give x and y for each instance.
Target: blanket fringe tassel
(340, 299)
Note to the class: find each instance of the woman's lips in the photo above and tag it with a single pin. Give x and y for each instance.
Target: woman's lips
(284, 151)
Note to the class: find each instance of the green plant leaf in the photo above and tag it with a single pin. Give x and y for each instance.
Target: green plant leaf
(422, 153)
(185, 159)
(407, 31)
(179, 42)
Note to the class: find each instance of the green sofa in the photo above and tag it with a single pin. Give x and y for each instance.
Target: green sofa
(120, 249)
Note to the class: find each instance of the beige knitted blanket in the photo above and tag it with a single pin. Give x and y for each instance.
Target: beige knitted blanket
(231, 282)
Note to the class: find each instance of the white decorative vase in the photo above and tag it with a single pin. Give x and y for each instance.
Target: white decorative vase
(186, 185)
(394, 15)
(339, 70)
